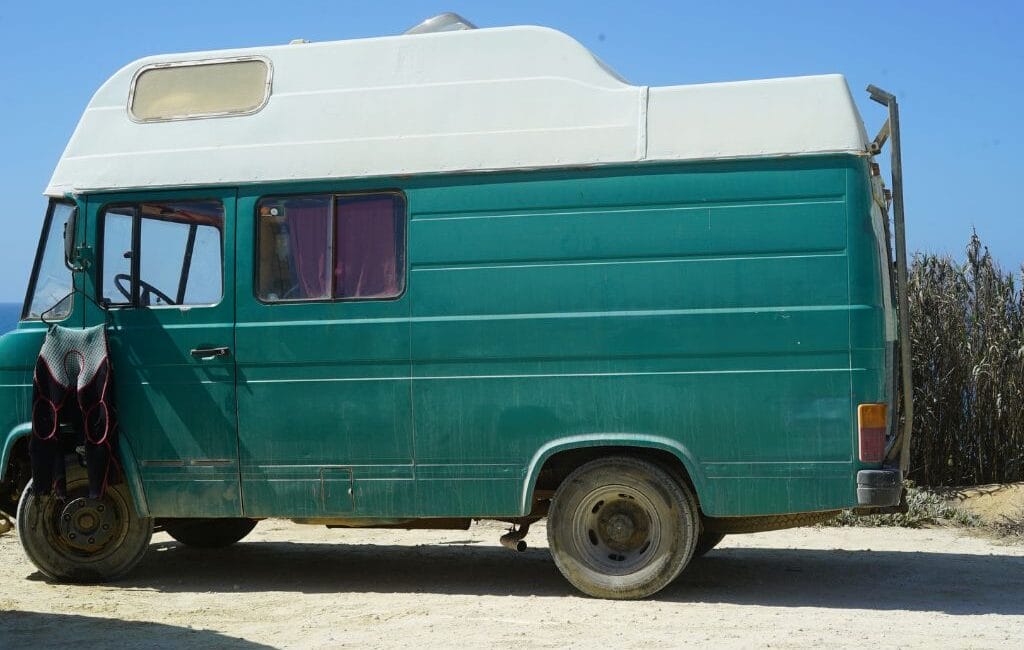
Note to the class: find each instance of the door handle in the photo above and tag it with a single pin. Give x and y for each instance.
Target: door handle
(205, 354)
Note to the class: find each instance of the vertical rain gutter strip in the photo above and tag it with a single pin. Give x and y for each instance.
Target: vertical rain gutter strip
(641, 142)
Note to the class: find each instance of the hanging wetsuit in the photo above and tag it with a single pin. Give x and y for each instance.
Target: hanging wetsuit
(73, 373)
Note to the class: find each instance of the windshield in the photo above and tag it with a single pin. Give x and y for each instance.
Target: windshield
(50, 286)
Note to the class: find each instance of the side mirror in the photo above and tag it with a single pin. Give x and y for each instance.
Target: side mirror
(69, 240)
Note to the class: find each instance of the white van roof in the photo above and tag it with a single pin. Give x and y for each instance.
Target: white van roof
(471, 100)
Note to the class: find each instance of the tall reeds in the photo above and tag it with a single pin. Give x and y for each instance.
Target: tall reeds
(967, 334)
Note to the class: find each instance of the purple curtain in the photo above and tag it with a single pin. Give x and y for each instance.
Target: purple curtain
(307, 229)
(365, 249)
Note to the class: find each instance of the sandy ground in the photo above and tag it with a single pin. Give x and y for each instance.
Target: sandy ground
(993, 504)
(301, 586)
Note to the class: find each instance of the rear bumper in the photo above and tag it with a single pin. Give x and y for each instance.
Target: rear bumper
(879, 487)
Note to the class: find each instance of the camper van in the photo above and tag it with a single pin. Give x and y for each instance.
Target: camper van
(460, 274)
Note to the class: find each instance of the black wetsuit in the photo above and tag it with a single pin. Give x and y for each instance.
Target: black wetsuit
(73, 373)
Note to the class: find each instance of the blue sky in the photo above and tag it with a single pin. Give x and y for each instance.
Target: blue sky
(957, 67)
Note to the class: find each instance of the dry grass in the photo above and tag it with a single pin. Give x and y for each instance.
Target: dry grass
(925, 508)
(1011, 526)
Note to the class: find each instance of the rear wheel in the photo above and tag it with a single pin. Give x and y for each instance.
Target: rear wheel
(208, 533)
(79, 539)
(622, 528)
(707, 541)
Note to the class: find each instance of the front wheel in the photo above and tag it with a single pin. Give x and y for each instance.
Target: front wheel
(79, 539)
(208, 533)
(622, 528)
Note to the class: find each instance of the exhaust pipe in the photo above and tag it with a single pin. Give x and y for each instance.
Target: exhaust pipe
(513, 539)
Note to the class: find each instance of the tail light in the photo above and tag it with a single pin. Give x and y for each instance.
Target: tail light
(871, 424)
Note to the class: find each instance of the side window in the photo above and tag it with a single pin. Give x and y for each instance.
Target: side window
(331, 247)
(199, 89)
(295, 255)
(158, 254)
(117, 254)
(369, 245)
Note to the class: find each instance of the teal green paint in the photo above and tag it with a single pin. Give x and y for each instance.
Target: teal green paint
(23, 345)
(18, 352)
(177, 413)
(729, 313)
(12, 437)
(592, 441)
(321, 385)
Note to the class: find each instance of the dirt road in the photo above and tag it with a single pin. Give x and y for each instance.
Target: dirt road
(297, 586)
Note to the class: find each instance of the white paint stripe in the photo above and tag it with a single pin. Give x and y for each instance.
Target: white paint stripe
(559, 315)
(552, 375)
(185, 383)
(600, 210)
(614, 262)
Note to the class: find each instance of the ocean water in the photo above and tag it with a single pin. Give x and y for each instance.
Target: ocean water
(9, 314)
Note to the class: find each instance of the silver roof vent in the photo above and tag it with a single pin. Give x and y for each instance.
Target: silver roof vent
(446, 22)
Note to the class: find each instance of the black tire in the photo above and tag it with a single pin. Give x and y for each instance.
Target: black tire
(208, 533)
(81, 539)
(622, 528)
(707, 541)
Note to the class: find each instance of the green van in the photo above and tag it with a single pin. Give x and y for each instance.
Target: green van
(418, 280)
